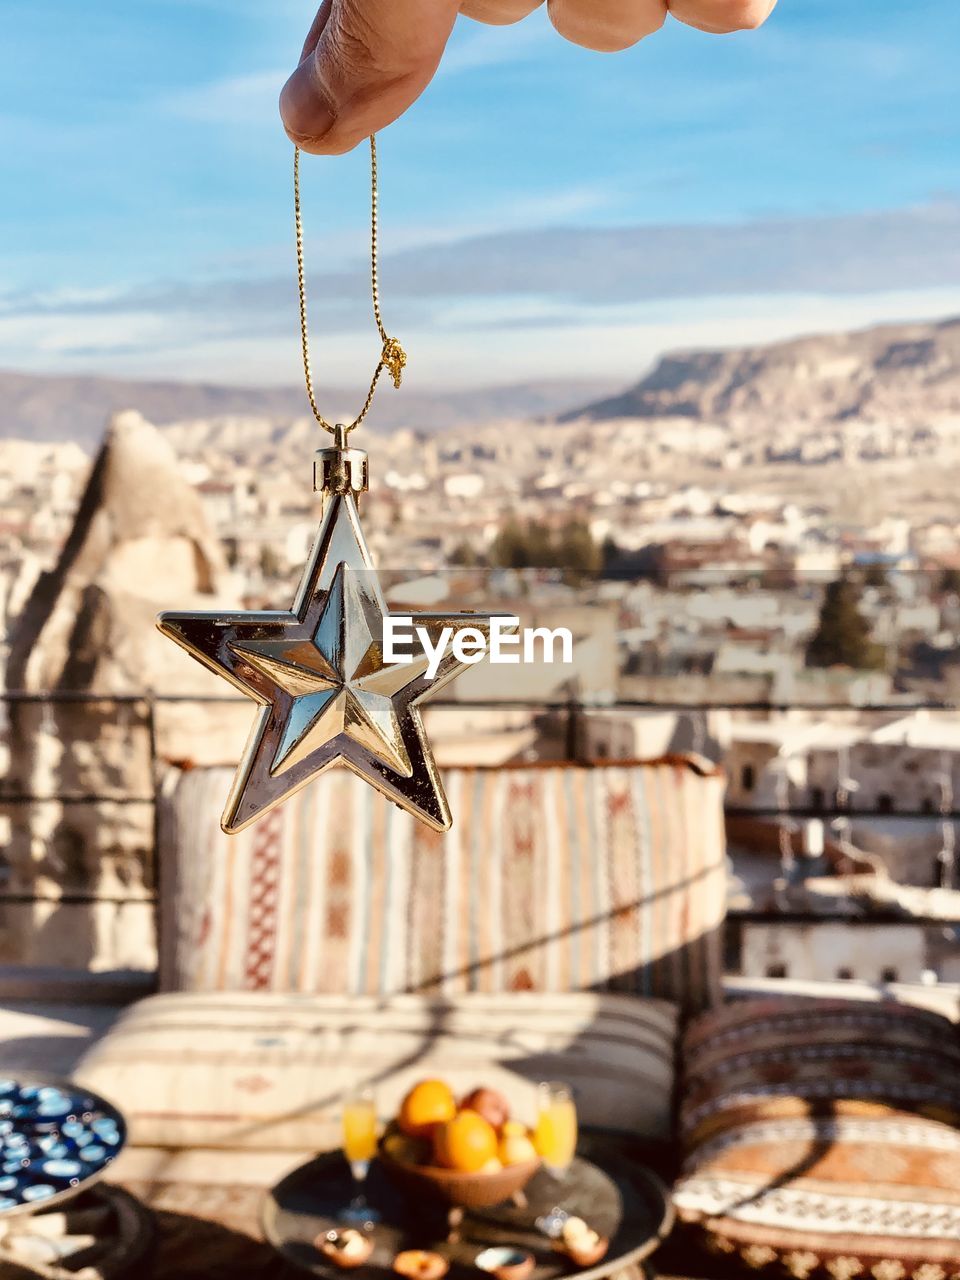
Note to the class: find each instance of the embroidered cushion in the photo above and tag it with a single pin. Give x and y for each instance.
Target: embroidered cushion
(552, 879)
(261, 1070)
(820, 1138)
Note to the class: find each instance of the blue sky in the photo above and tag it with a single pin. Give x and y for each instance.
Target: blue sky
(145, 219)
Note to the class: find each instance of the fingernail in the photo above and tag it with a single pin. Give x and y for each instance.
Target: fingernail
(306, 108)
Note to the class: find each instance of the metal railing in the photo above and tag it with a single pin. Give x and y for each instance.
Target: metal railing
(568, 713)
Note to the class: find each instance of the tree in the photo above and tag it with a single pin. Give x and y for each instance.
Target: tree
(842, 637)
(465, 556)
(510, 549)
(537, 546)
(623, 565)
(875, 575)
(533, 546)
(270, 563)
(576, 553)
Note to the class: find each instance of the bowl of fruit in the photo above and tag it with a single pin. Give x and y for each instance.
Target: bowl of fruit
(469, 1153)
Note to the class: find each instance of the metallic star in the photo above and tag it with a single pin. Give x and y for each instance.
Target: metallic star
(326, 694)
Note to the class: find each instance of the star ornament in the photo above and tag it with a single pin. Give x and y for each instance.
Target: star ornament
(326, 693)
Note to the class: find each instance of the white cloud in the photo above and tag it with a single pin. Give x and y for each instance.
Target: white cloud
(468, 343)
(583, 268)
(246, 99)
(516, 304)
(620, 342)
(476, 47)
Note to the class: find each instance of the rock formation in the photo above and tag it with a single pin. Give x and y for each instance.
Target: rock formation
(80, 870)
(139, 539)
(906, 370)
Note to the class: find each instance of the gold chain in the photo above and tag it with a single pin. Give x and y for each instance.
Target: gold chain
(393, 358)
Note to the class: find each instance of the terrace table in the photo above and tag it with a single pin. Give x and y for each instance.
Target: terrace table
(617, 1195)
(215, 1232)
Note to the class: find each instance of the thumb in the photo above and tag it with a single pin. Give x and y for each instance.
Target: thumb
(365, 62)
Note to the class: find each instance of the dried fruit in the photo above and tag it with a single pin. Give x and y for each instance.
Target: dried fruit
(346, 1249)
(582, 1244)
(420, 1264)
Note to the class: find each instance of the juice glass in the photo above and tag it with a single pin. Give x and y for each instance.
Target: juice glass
(360, 1129)
(555, 1136)
(555, 1139)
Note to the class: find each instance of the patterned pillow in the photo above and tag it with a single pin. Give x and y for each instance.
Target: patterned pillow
(552, 879)
(249, 1070)
(820, 1139)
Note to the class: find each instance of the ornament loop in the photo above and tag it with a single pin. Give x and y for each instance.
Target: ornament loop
(340, 470)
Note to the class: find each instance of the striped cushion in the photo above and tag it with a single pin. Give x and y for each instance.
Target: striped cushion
(268, 1071)
(552, 879)
(821, 1139)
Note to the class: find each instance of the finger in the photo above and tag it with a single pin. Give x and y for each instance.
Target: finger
(372, 59)
(498, 13)
(313, 35)
(607, 25)
(721, 16)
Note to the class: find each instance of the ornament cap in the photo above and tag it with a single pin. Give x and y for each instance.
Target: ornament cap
(341, 470)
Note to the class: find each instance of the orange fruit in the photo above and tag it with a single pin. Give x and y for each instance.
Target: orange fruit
(465, 1143)
(428, 1104)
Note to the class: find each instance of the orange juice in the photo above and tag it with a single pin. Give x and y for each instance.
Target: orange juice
(555, 1135)
(359, 1130)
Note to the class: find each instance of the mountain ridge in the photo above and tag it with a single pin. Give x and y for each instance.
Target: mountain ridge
(888, 371)
(75, 407)
(884, 370)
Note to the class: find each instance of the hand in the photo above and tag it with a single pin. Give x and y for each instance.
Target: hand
(365, 61)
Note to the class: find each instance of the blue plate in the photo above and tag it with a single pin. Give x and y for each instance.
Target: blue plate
(56, 1139)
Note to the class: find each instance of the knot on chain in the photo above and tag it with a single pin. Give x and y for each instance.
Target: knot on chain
(394, 359)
